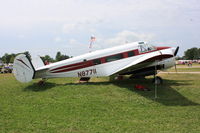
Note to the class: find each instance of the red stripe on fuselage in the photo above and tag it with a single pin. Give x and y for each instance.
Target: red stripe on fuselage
(161, 48)
(71, 65)
(84, 65)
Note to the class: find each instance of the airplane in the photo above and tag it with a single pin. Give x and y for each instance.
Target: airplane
(138, 59)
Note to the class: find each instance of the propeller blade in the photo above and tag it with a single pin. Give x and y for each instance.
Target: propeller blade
(176, 51)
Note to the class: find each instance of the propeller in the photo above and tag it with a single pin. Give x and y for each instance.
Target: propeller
(175, 53)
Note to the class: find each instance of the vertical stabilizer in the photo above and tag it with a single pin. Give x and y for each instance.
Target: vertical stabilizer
(37, 62)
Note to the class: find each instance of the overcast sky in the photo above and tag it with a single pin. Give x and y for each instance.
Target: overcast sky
(47, 26)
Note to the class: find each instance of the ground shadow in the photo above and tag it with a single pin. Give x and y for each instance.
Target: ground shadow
(36, 87)
(48, 85)
(166, 95)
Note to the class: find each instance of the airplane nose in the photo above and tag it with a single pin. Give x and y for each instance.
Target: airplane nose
(175, 50)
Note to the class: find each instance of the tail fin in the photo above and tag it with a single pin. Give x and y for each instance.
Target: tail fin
(37, 62)
(23, 69)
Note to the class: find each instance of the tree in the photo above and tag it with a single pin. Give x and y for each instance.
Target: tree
(179, 58)
(60, 57)
(4, 58)
(12, 59)
(199, 52)
(47, 58)
(192, 54)
(8, 58)
(27, 54)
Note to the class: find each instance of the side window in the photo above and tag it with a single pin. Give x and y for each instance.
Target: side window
(96, 61)
(114, 57)
(145, 48)
(131, 53)
(142, 49)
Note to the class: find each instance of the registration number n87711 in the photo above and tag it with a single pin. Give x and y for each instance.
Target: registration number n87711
(88, 72)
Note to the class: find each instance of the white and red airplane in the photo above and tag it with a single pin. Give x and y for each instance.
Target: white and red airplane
(139, 59)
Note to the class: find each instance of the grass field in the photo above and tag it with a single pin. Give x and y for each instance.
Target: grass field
(185, 68)
(63, 106)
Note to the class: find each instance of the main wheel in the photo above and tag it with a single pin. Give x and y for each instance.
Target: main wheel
(157, 80)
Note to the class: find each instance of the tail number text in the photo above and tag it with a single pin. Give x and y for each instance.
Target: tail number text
(87, 72)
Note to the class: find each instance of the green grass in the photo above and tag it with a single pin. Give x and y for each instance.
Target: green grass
(193, 64)
(63, 106)
(184, 68)
(189, 69)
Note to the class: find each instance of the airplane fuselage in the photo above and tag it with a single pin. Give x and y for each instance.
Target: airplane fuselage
(107, 62)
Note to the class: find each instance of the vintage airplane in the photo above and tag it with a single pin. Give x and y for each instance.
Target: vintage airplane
(138, 59)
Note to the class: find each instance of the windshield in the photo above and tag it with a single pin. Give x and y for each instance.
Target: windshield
(144, 47)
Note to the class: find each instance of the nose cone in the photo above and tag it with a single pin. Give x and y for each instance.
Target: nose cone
(173, 49)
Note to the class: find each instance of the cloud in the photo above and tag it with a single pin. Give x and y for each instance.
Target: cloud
(58, 39)
(73, 42)
(106, 19)
(82, 24)
(129, 36)
(67, 28)
(21, 36)
(70, 11)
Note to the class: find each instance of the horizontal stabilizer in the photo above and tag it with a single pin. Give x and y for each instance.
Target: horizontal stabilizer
(23, 69)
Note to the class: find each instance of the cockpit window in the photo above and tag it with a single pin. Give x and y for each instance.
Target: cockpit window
(144, 47)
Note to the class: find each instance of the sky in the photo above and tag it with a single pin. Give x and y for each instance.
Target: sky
(46, 26)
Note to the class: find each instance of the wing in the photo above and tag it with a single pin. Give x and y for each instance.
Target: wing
(142, 61)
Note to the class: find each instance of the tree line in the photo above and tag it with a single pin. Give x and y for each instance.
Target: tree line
(192, 54)
(9, 58)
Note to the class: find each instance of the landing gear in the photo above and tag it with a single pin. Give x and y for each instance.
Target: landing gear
(116, 77)
(84, 79)
(41, 82)
(157, 80)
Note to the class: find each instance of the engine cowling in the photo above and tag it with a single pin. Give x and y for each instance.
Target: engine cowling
(168, 63)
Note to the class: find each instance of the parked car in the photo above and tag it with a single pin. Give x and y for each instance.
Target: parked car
(6, 69)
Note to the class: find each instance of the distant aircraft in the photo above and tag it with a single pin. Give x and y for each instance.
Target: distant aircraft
(138, 59)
